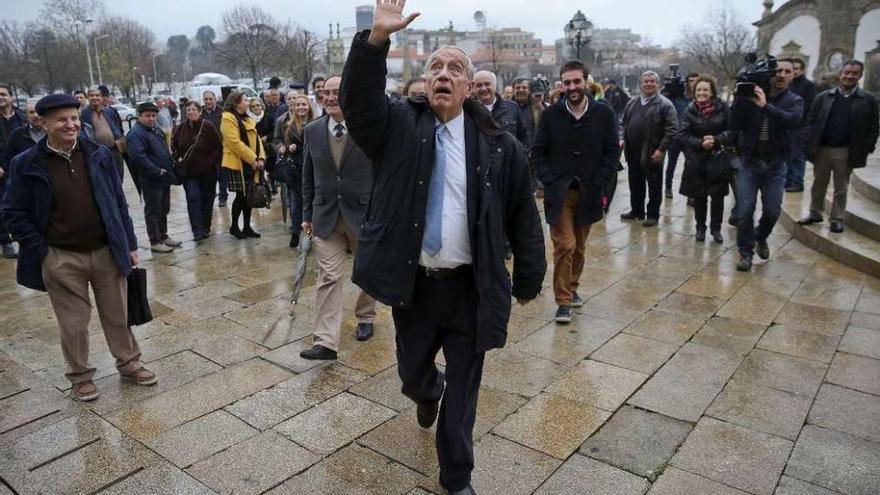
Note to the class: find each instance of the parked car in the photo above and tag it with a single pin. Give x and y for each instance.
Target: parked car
(126, 113)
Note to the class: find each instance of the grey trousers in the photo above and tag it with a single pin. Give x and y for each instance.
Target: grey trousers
(828, 163)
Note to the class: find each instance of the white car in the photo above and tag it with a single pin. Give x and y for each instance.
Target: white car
(126, 113)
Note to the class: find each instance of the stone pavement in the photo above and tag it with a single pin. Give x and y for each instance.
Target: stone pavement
(678, 376)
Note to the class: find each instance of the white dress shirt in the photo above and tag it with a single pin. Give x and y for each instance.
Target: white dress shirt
(491, 107)
(456, 241)
(332, 123)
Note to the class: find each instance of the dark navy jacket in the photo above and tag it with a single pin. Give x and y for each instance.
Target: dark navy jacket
(109, 114)
(148, 151)
(27, 208)
(785, 111)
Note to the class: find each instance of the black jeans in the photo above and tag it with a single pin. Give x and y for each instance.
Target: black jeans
(223, 183)
(443, 314)
(157, 204)
(672, 155)
(701, 205)
(200, 193)
(4, 234)
(638, 176)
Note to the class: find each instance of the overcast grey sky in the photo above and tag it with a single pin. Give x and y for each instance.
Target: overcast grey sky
(660, 20)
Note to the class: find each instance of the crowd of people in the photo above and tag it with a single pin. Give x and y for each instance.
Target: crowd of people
(432, 191)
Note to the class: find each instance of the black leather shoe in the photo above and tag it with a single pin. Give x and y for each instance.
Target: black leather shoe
(762, 249)
(700, 236)
(318, 352)
(810, 219)
(364, 331)
(249, 232)
(294, 239)
(650, 222)
(794, 189)
(837, 226)
(426, 414)
(744, 264)
(468, 490)
(717, 237)
(631, 216)
(236, 232)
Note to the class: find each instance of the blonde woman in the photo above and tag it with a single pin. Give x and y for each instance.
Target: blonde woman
(244, 157)
(288, 145)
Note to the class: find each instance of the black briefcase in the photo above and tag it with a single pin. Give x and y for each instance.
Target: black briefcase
(139, 311)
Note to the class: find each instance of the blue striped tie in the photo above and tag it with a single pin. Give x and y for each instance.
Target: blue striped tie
(432, 242)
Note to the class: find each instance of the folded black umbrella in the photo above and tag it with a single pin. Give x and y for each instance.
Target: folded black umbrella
(139, 311)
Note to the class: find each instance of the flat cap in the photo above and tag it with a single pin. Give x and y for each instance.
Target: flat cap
(147, 106)
(52, 102)
(537, 87)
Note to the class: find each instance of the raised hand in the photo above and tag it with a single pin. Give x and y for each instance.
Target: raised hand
(389, 19)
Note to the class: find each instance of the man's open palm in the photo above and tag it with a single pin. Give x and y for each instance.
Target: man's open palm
(388, 17)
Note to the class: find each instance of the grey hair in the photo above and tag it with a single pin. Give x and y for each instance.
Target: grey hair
(469, 66)
(205, 92)
(649, 73)
(491, 76)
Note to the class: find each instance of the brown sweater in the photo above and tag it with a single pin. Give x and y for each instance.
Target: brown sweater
(206, 156)
(76, 223)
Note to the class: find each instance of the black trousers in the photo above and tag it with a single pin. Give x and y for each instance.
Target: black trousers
(157, 205)
(701, 207)
(443, 315)
(638, 177)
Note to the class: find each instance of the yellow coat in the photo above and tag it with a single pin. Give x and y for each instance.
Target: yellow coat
(234, 150)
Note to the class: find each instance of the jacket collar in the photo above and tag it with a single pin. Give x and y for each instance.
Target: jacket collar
(36, 165)
(857, 92)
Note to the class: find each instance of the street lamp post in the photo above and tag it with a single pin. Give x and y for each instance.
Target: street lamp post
(579, 32)
(155, 74)
(79, 22)
(134, 86)
(98, 57)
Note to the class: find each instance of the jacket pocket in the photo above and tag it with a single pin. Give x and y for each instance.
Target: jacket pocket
(371, 232)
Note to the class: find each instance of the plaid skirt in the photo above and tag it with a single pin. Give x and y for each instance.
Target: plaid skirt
(239, 178)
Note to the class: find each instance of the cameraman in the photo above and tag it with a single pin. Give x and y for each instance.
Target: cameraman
(763, 123)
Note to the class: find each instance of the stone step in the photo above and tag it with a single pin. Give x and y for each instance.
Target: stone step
(867, 180)
(862, 214)
(850, 248)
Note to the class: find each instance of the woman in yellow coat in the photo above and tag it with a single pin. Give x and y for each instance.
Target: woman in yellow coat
(243, 154)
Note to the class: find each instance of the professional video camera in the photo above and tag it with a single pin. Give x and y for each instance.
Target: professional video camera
(756, 73)
(673, 87)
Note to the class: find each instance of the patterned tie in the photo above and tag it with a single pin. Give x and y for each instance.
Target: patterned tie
(339, 130)
(433, 239)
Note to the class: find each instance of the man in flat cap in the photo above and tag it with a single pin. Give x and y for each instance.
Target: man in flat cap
(148, 151)
(66, 208)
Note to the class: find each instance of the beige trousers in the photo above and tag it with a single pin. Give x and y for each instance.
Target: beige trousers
(831, 162)
(330, 253)
(67, 276)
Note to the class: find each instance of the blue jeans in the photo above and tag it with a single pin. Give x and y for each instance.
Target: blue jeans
(768, 178)
(672, 154)
(797, 158)
(223, 182)
(200, 202)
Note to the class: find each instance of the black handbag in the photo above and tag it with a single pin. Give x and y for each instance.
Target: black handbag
(139, 311)
(258, 194)
(721, 164)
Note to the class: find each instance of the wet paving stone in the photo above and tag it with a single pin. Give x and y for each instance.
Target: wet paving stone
(676, 391)
(667, 327)
(782, 372)
(761, 409)
(254, 465)
(847, 410)
(800, 343)
(505, 468)
(635, 353)
(794, 486)
(836, 461)
(404, 441)
(553, 425)
(334, 423)
(813, 318)
(861, 341)
(569, 344)
(353, 470)
(638, 441)
(725, 333)
(290, 397)
(519, 373)
(162, 479)
(582, 476)
(856, 372)
(734, 456)
(678, 482)
(201, 438)
(598, 384)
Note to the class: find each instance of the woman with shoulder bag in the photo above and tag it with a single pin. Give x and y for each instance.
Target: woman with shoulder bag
(244, 159)
(197, 149)
(289, 147)
(704, 133)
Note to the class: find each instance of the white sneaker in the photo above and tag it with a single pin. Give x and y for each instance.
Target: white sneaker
(161, 248)
(172, 243)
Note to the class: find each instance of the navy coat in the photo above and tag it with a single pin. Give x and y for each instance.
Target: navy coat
(148, 151)
(27, 208)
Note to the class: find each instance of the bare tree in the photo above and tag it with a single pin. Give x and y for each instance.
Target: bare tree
(301, 52)
(719, 43)
(128, 51)
(15, 58)
(252, 40)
